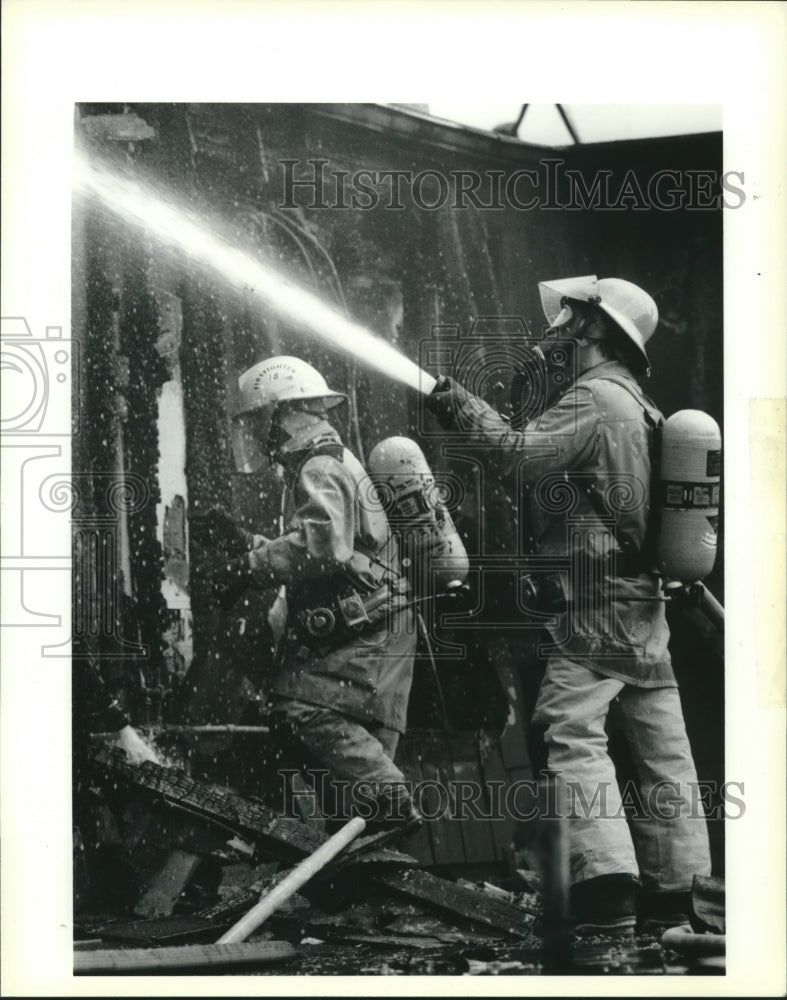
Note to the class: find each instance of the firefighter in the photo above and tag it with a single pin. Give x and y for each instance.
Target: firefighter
(584, 463)
(345, 661)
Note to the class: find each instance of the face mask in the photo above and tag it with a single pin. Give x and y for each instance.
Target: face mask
(249, 434)
(292, 431)
(534, 386)
(277, 439)
(561, 346)
(549, 368)
(573, 322)
(560, 361)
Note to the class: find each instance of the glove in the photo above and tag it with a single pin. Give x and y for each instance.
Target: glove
(217, 529)
(445, 400)
(229, 581)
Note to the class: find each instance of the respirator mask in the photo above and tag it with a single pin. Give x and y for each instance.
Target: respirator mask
(553, 364)
(294, 430)
(249, 437)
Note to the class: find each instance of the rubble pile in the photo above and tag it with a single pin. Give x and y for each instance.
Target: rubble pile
(191, 858)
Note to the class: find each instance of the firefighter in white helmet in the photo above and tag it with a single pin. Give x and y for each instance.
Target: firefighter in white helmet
(584, 460)
(344, 665)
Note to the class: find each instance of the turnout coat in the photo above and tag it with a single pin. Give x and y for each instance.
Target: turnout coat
(337, 539)
(583, 472)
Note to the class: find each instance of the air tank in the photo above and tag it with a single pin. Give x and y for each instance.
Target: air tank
(433, 556)
(688, 496)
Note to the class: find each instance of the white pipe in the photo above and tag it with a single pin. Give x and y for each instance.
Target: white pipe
(301, 874)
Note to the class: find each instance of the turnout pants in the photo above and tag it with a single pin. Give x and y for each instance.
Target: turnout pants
(668, 845)
(350, 751)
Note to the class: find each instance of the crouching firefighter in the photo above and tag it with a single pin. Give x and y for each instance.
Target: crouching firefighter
(344, 663)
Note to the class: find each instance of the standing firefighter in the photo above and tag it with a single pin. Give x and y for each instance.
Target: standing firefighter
(585, 464)
(345, 662)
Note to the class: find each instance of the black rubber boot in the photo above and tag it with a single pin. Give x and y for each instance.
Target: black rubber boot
(605, 905)
(659, 911)
(395, 812)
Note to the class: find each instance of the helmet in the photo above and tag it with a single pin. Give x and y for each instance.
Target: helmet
(631, 308)
(278, 380)
(284, 380)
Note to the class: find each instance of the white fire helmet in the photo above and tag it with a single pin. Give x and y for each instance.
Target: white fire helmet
(262, 389)
(632, 309)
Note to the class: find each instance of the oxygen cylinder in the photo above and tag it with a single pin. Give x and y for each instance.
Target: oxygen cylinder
(689, 496)
(433, 556)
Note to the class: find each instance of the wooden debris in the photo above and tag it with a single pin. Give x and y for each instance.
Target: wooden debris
(298, 877)
(180, 929)
(476, 967)
(193, 957)
(387, 940)
(161, 895)
(242, 874)
(285, 838)
(457, 900)
(236, 902)
(433, 927)
(290, 839)
(360, 925)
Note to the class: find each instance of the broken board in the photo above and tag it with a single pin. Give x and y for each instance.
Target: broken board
(160, 897)
(180, 929)
(290, 839)
(189, 957)
(471, 904)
